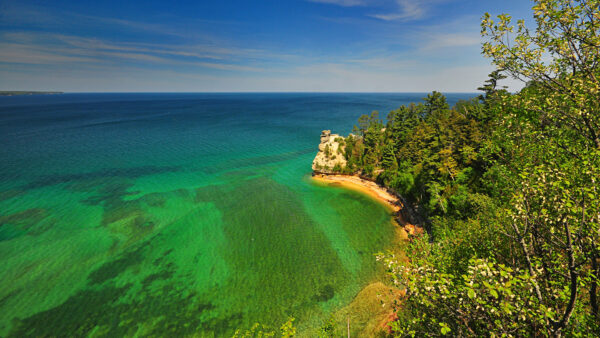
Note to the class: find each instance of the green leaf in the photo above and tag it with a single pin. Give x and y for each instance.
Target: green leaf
(445, 329)
(471, 293)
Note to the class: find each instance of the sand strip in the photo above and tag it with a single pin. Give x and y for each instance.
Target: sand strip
(364, 186)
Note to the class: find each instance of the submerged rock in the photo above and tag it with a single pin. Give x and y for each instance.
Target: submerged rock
(330, 155)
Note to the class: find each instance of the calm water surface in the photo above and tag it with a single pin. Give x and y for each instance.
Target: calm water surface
(178, 214)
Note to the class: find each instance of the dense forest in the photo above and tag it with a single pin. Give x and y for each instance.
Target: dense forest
(505, 185)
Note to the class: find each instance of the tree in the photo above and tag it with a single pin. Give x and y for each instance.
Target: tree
(388, 161)
(435, 103)
(367, 122)
(549, 142)
(562, 55)
(532, 246)
(491, 84)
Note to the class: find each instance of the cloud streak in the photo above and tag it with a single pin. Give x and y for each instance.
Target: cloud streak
(407, 10)
(318, 45)
(27, 54)
(49, 49)
(451, 40)
(403, 9)
(343, 3)
(16, 14)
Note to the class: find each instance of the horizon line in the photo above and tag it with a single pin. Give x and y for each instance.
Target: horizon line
(239, 92)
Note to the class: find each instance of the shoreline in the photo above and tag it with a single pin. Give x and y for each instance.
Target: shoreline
(370, 188)
(375, 295)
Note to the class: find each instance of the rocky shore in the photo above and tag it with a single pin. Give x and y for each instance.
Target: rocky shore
(330, 157)
(327, 166)
(330, 161)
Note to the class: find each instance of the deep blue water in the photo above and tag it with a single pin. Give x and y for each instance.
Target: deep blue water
(45, 134)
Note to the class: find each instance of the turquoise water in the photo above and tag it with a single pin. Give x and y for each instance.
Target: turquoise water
(178, 214)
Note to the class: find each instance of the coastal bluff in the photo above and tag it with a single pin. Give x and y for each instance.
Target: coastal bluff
(330, 167)
(330, 154)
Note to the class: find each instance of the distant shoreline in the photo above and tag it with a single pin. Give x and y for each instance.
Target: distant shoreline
(18, 93)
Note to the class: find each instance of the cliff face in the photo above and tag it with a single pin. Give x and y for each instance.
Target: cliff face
(331, 153)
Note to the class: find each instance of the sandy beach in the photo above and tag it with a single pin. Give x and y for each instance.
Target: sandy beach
(366, 187)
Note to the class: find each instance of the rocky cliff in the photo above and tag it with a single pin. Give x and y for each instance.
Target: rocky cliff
(330, 155)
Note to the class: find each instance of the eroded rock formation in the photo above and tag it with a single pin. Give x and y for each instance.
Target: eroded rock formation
(331, 153)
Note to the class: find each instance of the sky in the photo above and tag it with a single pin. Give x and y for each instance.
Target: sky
(247, 46)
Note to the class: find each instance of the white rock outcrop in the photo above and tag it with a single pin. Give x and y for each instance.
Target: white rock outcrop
(330, 154)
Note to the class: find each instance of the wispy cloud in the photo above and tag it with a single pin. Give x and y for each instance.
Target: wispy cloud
(53, 49)
(17, 14)
(335, 76)
(407, 10)
(344, 3)
(450, 40)
(224, 66)
(383, 63)
(27, 54)
(196, 51)
(364, 45)
(401, 9)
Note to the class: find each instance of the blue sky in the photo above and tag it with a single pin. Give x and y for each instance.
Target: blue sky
(259, 45)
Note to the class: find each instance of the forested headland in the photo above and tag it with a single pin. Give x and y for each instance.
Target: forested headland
(505, 184)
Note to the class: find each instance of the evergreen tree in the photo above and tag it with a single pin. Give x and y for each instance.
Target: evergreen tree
(389, 161)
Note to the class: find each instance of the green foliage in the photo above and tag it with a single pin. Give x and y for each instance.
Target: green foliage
(435, 144)
(330, 329)
(258, 330)
(327, 151)
(490, 298)
(561, 57)
(288, 329)
(435, 104)
(490, 86)
(508, 184)
(403, 183)
(368, 122)
(388, 161)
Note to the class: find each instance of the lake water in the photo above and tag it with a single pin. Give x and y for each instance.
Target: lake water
(179, 214)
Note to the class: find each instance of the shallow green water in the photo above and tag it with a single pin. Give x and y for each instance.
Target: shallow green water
(135, 215)
(204, 259)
